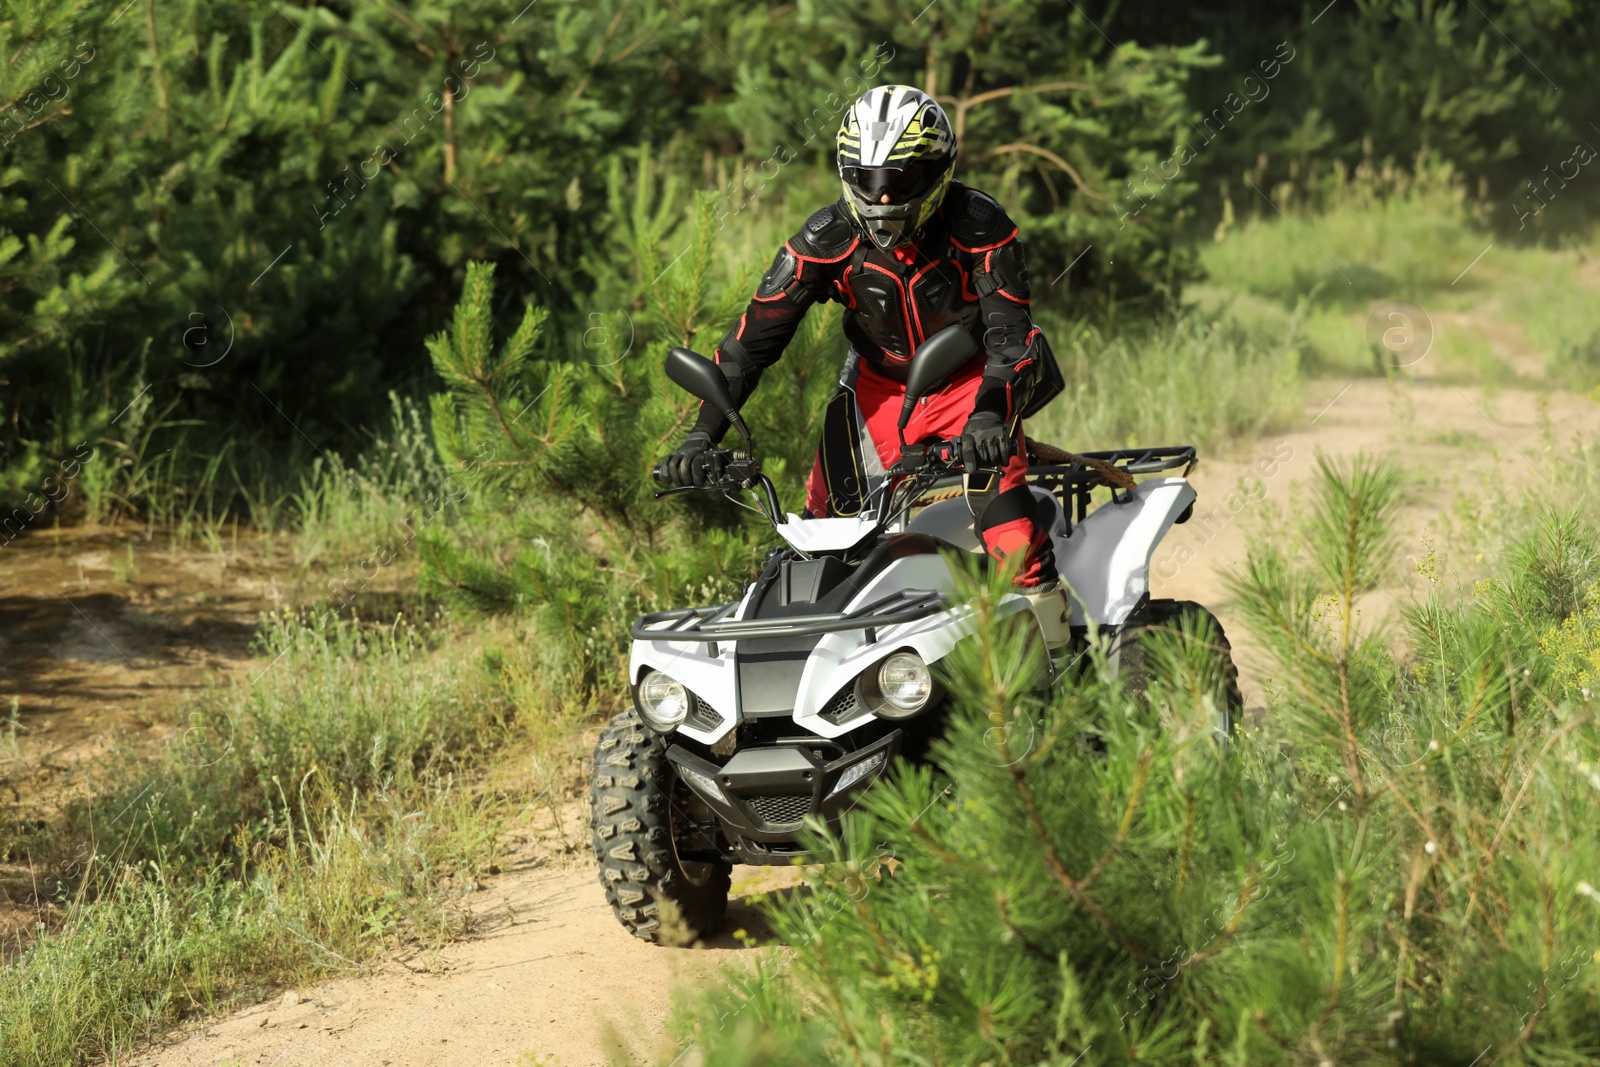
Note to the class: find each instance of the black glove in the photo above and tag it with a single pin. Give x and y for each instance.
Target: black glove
(986, 442)
(691, 464)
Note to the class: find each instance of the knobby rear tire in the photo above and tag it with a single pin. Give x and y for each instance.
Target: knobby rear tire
(1132, 668)
(652, 893)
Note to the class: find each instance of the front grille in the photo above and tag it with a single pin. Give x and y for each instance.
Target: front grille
(780, 811)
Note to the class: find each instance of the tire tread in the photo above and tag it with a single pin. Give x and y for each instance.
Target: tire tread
(1164, 614)
(630, 819)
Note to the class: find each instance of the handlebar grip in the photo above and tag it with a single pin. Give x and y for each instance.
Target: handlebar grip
(716, 465)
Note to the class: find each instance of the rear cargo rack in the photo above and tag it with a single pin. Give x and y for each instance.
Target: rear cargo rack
(1073, 482)
(707, 625)
(1072, 477)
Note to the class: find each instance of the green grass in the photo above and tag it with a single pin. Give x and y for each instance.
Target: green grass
(293, 825)
(154, 944)
(1555, 297)
(1457, 439)
(1188, 380)
(359, 510)
(194, 489)
(1361, 247)
(1422, 244)
(1495, 515)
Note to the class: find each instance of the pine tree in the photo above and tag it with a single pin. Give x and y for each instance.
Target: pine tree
(553, 451)
(1395, 865)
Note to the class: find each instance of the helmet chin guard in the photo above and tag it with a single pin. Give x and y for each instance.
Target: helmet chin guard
(896, 154)
(886, 224)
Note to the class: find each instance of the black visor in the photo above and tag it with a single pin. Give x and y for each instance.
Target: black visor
(901, 183)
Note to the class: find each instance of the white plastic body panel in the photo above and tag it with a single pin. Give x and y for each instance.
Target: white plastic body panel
(839, 658)
(1106, 560)
(834, 663)
(951, 521)
(826, 535)
(714, 679)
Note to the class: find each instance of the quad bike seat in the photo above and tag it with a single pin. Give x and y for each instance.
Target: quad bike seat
(948, 517)
(950, 521)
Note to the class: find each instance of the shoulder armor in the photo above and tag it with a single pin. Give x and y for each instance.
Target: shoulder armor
(827, 235)
(780, 276)
(976, 220)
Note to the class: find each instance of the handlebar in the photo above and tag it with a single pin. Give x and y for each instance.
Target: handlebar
(919, 466)
(729, 468)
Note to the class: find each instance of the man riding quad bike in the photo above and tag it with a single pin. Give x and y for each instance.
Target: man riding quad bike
(787, 703)
(908, 251)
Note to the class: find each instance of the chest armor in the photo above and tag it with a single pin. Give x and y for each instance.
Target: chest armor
(891, 307)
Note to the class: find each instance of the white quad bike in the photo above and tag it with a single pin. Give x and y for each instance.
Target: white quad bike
(750, 716)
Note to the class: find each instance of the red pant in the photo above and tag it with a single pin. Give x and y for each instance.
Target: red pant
(860, 440)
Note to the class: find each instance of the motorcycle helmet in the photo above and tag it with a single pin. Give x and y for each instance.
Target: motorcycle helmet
(895, 141)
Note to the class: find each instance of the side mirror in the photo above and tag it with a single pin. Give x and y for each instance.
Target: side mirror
(699, 377)
(935, 360)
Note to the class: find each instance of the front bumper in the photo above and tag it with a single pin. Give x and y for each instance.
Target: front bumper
(763, 795)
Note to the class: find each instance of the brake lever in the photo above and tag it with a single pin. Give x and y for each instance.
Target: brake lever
(675, 490)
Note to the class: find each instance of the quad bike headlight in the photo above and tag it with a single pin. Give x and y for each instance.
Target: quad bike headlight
(905, 683)
(663, 701)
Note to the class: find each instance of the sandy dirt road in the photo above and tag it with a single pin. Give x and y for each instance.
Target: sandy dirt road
(102, 630)
(1452, 442)
(548, 978)
(549, 973)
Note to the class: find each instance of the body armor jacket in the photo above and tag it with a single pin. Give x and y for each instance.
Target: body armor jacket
(966, 266)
